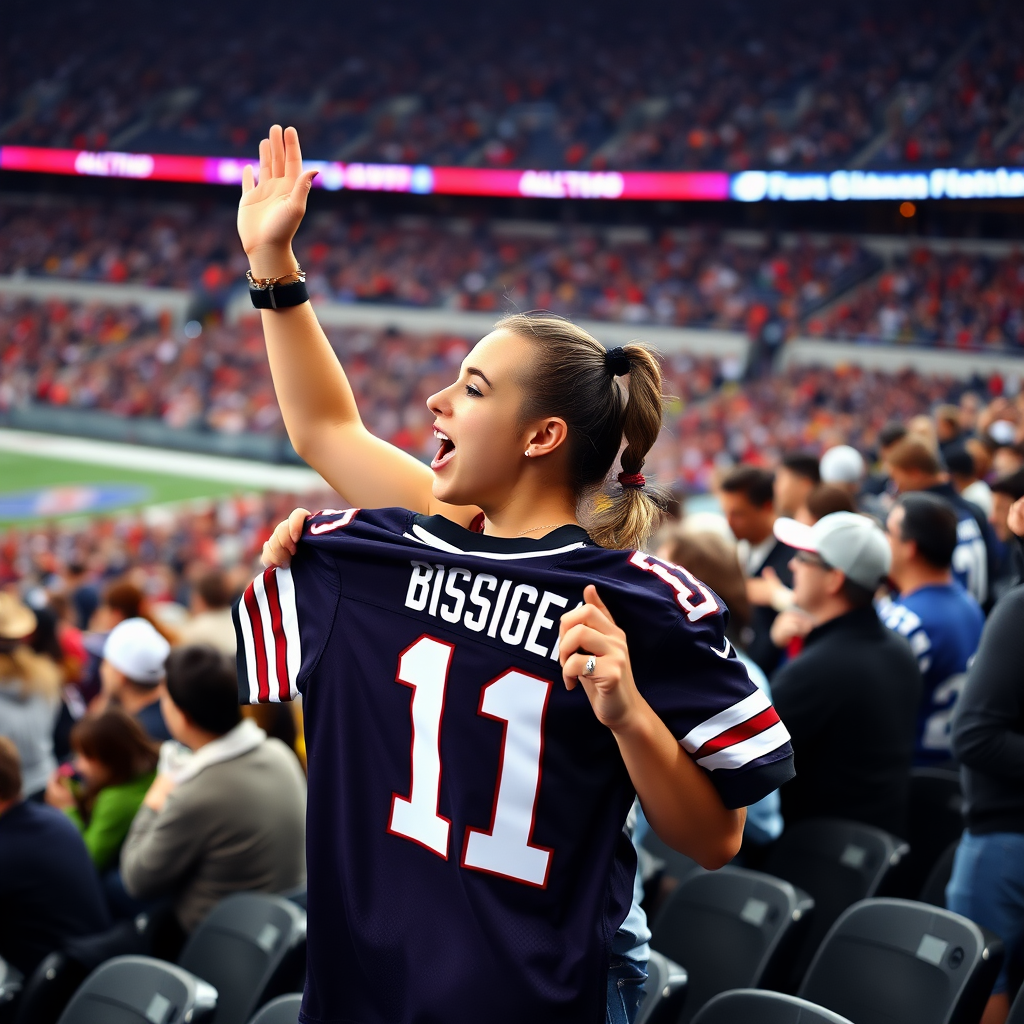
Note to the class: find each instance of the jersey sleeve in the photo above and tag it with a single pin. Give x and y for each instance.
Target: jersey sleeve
(282, 622)
(696, 683)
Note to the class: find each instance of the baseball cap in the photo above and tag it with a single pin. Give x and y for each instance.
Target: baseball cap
(841, 465)
(135, 648)
(848, 542)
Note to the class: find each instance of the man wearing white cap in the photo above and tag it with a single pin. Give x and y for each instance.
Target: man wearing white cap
(131, 673)
(850, 697)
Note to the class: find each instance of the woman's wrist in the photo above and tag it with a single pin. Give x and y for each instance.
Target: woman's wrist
(272, 261)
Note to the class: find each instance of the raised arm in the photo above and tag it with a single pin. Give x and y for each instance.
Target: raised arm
(313, 392)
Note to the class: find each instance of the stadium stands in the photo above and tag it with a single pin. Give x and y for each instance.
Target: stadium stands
(743, 1005)
(663, 89)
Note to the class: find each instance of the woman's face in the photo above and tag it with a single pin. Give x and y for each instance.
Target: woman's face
(476, 421)
(94, 772)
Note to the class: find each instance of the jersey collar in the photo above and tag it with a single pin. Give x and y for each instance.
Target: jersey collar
(441, 533)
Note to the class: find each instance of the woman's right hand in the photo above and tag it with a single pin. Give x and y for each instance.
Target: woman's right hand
(270, 212)
(278, 551)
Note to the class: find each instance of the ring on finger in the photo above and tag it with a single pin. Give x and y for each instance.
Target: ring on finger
(588, 669)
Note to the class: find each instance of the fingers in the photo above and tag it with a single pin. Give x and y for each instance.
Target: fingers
(296, 524)
(300, 190)
(265, 160)
(595, 615)
(247, 179)
(292, 154)
(276, 151)
(770, 574)
(591, 597)
(575, 668)
(582, 637)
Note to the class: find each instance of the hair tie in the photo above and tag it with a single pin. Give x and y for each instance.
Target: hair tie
(632, 479)
(616, 362)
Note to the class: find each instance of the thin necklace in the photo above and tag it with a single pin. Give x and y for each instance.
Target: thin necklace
(534, 529)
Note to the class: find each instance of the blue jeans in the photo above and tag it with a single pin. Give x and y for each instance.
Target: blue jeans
(625, 990)
(987, 886)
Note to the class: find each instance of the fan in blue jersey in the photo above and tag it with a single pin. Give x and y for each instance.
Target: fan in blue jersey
(486, 684)
(941, 621)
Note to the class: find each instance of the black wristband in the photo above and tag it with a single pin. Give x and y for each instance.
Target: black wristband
(279, 296)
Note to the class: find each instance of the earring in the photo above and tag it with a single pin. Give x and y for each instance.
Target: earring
(527, 453)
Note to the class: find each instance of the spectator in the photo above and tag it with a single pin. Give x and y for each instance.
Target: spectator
(987, 883)
(49, 891)
(1005, 491)
(228, 818)
(132, 671)
(965, 478)
(211, 614)
(939, 619)
(747, 498)
(914, 466)
(850, 698)
(116, 761)
(712, 559)
(823, 501)
(30, 686)
(795, 477)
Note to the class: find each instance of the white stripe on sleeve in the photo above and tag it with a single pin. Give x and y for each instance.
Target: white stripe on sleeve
(747, 750)
(269, 639)
(290, 624)
(249, 645)
(717, 724)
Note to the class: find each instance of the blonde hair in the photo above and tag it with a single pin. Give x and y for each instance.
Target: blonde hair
(574, 378)
(35, 673)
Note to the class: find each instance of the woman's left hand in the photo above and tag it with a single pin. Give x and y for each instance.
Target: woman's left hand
(590, 631)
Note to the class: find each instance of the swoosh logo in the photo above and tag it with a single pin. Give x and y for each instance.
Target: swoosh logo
(725, 652)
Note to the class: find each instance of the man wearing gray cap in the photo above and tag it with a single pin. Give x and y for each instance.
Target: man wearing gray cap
(850, 697)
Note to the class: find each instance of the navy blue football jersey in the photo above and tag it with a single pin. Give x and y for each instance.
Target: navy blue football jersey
(466, 857)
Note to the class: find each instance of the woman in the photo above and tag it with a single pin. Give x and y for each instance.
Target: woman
(30, 695)
(116, 762)
(526, 437)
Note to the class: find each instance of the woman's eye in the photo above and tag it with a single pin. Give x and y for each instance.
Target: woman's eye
(473, 391)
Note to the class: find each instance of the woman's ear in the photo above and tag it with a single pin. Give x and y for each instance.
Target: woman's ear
(546, 437)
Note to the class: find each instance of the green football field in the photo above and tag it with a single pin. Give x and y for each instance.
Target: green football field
(64, 481)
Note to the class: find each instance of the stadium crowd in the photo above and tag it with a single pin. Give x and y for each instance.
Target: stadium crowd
(116, 636)
(808, 86)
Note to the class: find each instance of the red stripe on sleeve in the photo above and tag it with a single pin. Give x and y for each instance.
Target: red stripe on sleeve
(751, 727)
(280, 640)
(256, 621)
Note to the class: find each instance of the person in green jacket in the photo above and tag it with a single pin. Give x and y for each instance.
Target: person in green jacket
(115, 763)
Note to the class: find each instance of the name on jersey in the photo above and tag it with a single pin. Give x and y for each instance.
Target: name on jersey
(518, 614)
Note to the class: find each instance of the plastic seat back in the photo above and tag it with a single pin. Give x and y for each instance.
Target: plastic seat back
(251, 948)
(664, 991)
(729, 929)
(1017, 1010)
(282, 1010)
(141, 990)
(11, 981)
(749, 1006)
(896, 960)
(935, 819)
(48, 989)
(837, 863)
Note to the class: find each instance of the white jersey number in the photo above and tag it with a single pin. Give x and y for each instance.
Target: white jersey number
(515, 698)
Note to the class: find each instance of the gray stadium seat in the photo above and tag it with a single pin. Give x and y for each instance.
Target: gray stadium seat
(837, 863)
(282, 1010)
(751, 1006)
(1017, 1009)
(665, 991)
(251, 948)
(934, 820)
(729, 929)
(141, 990)
(889, 960)
(48, 988)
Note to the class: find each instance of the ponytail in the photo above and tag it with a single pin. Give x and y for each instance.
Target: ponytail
(626, 518)
(575, 378)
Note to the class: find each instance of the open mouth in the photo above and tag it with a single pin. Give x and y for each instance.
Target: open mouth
(446, 451)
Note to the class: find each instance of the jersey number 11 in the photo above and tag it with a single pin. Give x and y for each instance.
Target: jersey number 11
(518, 700)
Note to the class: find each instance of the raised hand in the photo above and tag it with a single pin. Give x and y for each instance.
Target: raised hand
(590, 630)
(270, 212)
